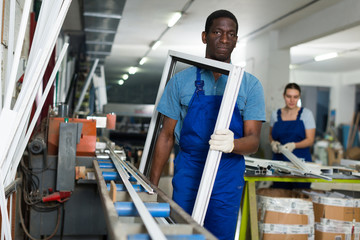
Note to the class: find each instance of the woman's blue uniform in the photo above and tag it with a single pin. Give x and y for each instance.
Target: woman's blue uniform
(198, 125)
(290, 131)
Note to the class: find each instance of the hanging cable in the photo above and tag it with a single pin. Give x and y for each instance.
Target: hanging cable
(25, 229)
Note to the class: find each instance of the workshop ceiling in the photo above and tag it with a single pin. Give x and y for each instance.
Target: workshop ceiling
(124, 31)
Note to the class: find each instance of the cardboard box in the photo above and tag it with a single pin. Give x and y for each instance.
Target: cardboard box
(332, 236)
(334, 156)
(282, 206)
(340, 209)
(285, 218)
(286, 232)
(329, 229)
(270, 236)
(353, 153)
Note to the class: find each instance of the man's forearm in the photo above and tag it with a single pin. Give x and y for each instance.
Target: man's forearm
(246, 145)
(161, 156)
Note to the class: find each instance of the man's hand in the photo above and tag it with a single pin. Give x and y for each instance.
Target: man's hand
(290, 146)
(222, 140)
(275, 146)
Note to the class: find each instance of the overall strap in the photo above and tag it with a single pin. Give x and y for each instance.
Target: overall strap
(299, 114)
(199, 84)
(279, 115)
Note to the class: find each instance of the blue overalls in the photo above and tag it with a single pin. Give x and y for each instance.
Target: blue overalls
(290, 131)
(198, 125)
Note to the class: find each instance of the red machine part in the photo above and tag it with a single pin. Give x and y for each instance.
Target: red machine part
(87, 144)
(61, 196)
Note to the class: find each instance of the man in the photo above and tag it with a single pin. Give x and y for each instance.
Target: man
(190, 112)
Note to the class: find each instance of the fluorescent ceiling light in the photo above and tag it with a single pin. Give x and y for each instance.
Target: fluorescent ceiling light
(99, 30)
(155, 45)
(133, 70)
(292, 66)
(326, 56)
(142, 61)
(102, 15)
(121, 82)
(173, 20)
(125, 76)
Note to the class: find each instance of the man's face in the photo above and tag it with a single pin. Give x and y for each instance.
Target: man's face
(221, 39)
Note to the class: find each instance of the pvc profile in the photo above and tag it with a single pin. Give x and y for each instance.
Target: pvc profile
(18, 125)
(213, 158)
(16, 58)
(11, 37)
(26, 98)
(24, 142)
(173, 57)
(63, 82)
(48, 12)
(117, 160)
(301, 165)
(49, 38)
(149, 222)
(223, 121)
(86, 86)
(149, 137)
(10, 125)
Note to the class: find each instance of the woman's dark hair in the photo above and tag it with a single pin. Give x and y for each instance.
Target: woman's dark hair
(292, 86)
(219, 14)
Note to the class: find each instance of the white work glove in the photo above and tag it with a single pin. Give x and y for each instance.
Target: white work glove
(275, 146)
(290, 146)
(222, 140)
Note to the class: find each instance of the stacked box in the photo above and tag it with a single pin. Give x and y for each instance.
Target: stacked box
(336, 217)
(284, 214)
(328, 229)
(285, 232)
(342, 209)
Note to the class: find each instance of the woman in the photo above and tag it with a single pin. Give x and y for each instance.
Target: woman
(294, 128)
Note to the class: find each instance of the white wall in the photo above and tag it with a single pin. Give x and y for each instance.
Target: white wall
(342, 90)
(271, 66)
(269, 56)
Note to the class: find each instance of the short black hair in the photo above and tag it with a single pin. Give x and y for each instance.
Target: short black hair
(220, 14)
(292, 86)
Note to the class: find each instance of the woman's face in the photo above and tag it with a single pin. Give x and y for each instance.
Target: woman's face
(291, 97)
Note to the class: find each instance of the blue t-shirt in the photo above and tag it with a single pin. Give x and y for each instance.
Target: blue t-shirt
(180, 88)
(306, 116)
